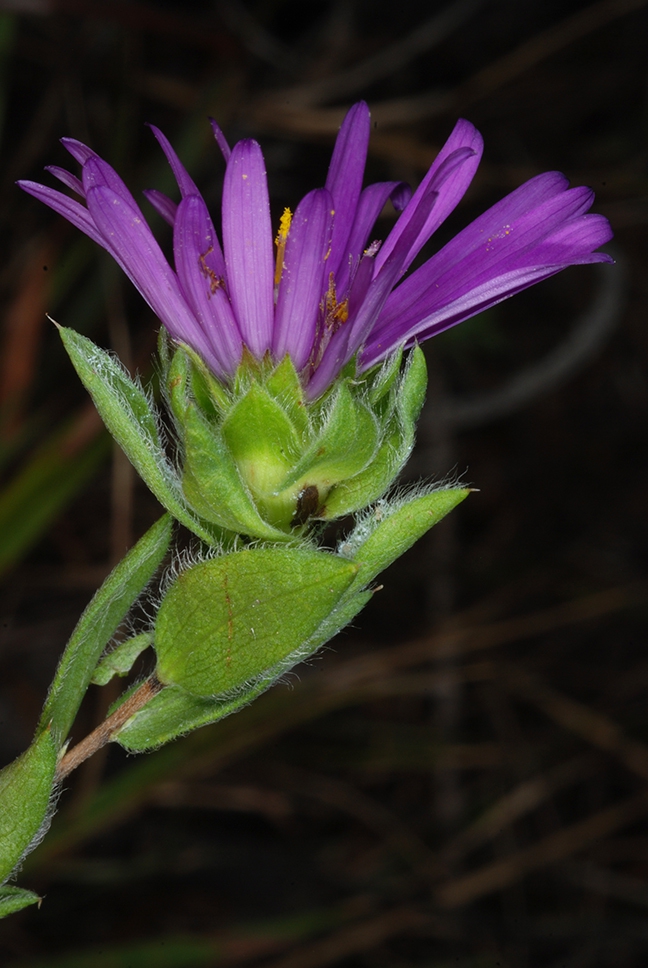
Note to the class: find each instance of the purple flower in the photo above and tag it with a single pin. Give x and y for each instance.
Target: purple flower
(330, 293)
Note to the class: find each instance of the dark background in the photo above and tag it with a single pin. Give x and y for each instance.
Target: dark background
(459, 780)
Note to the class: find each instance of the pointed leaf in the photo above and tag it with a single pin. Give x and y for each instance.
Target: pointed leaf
(178, 381)
(285, 386)
(228, 620)
(213, 485)
(14, 899)
(387, 532)
(411, 392)
(127, 413)
(207, 389)
(344, 446)
(174, 712)
(25, 792)
(261, 439)
(120, 661)
(98, 624)
(385, 376)
(400, 413)
(264, 445)
(366, 487)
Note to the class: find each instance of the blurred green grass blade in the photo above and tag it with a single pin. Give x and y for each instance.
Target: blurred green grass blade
(253, 939)
(48, 480)
(162, 953)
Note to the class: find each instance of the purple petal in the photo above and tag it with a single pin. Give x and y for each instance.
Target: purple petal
(362, 279)
(162, 204)
(185, 182)
(371, 203)
(78, 150)
(68, 179)
(349, 338)
(202, 282)
(344, 179)
(221, 140)
(477, 269)
(97, 172)
(401, 196)
(303, 277)
(574, 243)
(455, 184)
(247, 240)
(385, 278)
(476, 301)
(478, 247)
(130, 241)
(70, 209)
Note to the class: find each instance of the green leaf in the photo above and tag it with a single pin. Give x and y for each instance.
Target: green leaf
(387, 531)
(285, 386)
(25, 791)
(398, 414)
(127, 413)
(228, 620)
(177, 385)
(123, 405)
(261, 440)
(98, 624)
(189, 380)
(207, 389)
(366, 487)
(14, 899)
(411, 391)
(344, 446)
(174, 712)
(120, 661)
(164, 351)
(385, 376)
(212, 483)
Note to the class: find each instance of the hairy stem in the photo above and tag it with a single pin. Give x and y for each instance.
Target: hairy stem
(106, 730)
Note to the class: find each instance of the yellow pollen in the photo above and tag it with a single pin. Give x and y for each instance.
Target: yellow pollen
(335, 313)
(280, 242)
(214, 281)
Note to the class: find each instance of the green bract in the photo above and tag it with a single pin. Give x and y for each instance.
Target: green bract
(255, 457)
(259, 459)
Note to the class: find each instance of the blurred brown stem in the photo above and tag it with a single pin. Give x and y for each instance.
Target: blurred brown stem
(105, 731)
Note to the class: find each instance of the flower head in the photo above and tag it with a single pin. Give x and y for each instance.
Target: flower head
(331, 293)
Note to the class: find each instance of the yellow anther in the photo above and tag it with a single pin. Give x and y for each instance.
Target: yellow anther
(336, 313)
(280, 242)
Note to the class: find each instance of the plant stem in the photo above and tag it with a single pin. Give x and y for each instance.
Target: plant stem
(106, 730)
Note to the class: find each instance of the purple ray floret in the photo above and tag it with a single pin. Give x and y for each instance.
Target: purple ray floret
(334, 293)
